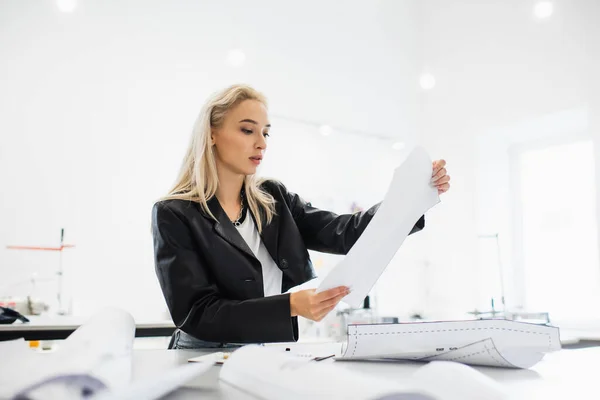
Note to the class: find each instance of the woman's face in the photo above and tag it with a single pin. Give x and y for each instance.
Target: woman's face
(240, 142)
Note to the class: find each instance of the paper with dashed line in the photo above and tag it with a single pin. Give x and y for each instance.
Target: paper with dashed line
(497, 343)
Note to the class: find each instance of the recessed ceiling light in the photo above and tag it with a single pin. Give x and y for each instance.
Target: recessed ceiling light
(236, 58)
(66, 6)
(427, 81)
(325, 130)
(543, 9)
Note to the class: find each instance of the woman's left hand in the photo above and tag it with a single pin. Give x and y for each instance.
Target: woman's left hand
(440, 178)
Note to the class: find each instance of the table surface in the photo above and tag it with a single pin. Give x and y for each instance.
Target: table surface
(61, 326)
(562, 374)
(67, 322)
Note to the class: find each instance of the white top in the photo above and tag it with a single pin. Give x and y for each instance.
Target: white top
(272, 275)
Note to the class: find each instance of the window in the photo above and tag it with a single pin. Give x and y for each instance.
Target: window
(558, 249)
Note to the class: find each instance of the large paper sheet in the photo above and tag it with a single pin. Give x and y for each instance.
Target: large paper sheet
(498, 343)
(156, 387)
(299, 349)
(262, 372)
(409, 196)
(266, 373)
(95, 359)
(97, 356)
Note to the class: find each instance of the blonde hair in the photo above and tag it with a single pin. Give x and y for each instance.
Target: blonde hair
(198, 180)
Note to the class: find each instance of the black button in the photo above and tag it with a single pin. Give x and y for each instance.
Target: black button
(283, 264)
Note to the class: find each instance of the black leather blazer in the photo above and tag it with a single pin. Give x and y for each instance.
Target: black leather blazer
(211, 280)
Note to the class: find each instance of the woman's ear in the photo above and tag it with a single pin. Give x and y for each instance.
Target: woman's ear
(212, 137)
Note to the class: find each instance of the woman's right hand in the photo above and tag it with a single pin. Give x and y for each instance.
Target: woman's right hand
(315, 306)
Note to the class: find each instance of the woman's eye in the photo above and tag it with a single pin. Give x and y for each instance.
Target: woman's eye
(266, 134)
(247, 131)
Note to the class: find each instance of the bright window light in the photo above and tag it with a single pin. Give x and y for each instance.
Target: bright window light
(559, 230)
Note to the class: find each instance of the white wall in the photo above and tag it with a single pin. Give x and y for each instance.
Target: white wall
(97, 107)
(495, 196)
(503, 77)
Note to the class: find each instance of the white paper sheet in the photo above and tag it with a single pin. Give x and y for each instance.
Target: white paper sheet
(409, 196)
(299, 349)
(498, 343)
(448, 380)
(97, 355)
(310, 349)
(268, 373)
(157, 386)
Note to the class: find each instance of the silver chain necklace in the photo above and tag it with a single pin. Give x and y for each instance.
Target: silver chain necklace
(237, 221)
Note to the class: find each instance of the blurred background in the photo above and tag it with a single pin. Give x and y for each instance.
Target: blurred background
(98, 99)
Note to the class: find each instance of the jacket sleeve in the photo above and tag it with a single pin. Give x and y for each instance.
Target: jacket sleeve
(328, 232)
(193, 298)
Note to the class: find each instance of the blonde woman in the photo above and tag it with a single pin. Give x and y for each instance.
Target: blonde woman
(227, 245)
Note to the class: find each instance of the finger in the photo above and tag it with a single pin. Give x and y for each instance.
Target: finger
(329, 303)
(437, 165)
(331, 293)
(439, 174)
(322, 314)
(443, 188)
(442, 180)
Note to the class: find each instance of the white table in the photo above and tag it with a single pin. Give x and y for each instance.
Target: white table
(60, 327)
(566, 374)
(577, 338)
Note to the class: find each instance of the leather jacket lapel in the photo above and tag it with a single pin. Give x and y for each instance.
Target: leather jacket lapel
(225, 228)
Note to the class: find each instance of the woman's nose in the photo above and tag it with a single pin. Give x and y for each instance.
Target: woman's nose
(262, 143)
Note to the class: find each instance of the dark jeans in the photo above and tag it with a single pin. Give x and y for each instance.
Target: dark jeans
(181, 340)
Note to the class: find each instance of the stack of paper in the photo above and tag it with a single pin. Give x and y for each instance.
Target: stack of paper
(498, 343)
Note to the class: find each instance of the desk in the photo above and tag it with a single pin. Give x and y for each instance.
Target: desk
(60, 327)
(579, 338)
(563, 374)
